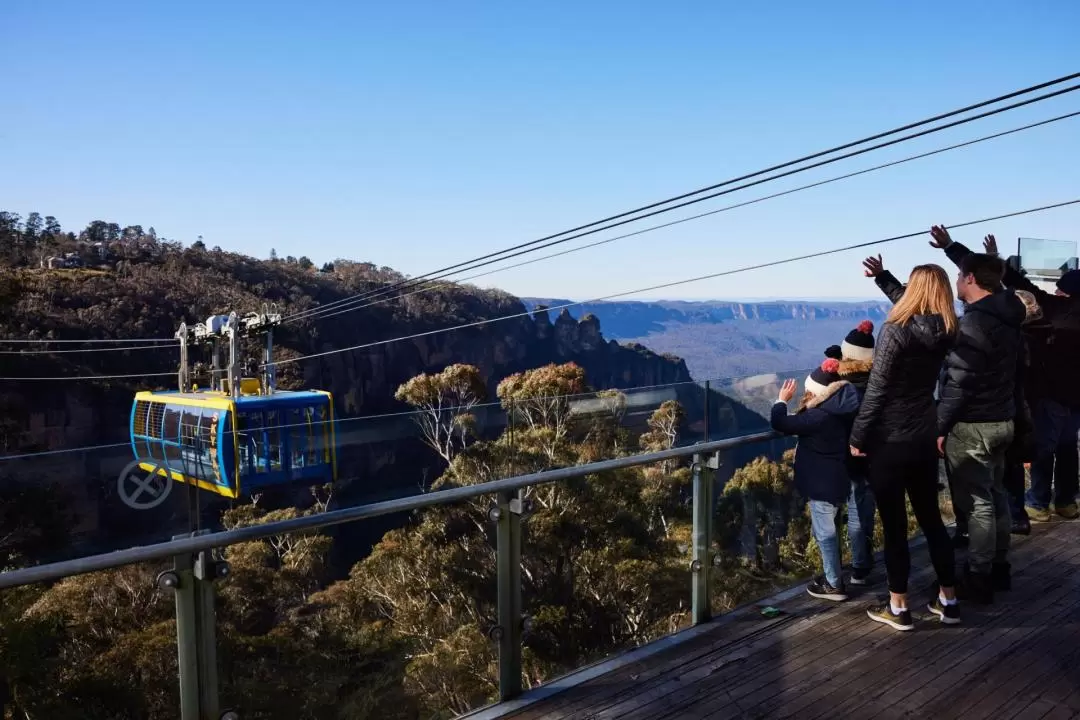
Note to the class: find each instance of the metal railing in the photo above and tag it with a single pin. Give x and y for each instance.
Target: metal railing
(195, 569)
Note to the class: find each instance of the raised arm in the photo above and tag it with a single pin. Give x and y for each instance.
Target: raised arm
(958, 251)
(885, 280)
(889, 346)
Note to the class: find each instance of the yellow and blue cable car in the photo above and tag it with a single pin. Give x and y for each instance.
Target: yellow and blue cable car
(235, 446)
(242, 436)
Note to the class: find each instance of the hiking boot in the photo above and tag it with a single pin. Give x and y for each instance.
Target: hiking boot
(1001, 576)
(1037, 515)
(860, 576)
(976, 588)
(946, 614)
(883, 613)
(1021, 526)
(1067, 511)
(820, 588)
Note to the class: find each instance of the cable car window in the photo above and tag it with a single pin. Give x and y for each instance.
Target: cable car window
(244, 443)
(256, 441)
(273, 440)
(314, 432)
(298, 434)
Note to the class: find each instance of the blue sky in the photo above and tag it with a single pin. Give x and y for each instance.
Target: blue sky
(419, 134)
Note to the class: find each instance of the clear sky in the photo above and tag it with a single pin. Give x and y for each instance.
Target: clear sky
(420, 134)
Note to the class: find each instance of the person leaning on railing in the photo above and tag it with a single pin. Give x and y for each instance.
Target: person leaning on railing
(896, 428)
(1053, 390)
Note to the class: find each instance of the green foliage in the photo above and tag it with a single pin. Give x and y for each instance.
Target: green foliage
(444, 400)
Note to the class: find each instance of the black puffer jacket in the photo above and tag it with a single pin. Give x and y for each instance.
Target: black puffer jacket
(1054, 341)
(980, 370)
(899, 401)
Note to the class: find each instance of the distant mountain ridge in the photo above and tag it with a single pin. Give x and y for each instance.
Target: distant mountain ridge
(721, 338)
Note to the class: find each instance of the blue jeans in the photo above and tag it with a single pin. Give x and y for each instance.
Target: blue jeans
(1056, 462)
(823, 516)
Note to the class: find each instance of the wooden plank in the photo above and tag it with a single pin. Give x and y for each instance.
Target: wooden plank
(756, 707)
(824, 661)
(860, 654)
(866, 686)
(909, 672)
(768, 665)
(806, 614)
(634, 677)
(1039, 621)
(1028, 710)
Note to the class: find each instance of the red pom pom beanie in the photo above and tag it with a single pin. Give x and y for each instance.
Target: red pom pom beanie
(818, 382)
(859, 343)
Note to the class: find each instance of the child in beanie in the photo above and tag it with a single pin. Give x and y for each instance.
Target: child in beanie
(856, 362)
(822, 423)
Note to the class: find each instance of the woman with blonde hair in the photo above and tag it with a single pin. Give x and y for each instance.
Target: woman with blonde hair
(896, 428)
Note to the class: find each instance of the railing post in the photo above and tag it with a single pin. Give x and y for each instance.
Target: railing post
(701, 563)
(206, 571)
(182, 582)
(508, 632)
(192, 581)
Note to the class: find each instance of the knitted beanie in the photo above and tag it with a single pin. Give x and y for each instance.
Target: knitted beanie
(834, 352)
(1069, 283)
(859, 343)
(821, 378)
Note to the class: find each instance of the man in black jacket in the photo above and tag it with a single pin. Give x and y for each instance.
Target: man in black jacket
(1052, 388)
(976, 413)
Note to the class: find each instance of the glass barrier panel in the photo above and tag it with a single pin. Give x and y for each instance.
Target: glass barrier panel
(89, 647)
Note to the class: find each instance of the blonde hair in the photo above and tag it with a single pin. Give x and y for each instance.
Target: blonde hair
(929, 292)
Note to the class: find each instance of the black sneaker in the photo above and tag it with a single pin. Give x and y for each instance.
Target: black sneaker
(975, 588)
(1021, 526)
(883, 614)
(820, 588)
(860, 576)
(947, 614)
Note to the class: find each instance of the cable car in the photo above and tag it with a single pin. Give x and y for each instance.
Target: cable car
(240, 437)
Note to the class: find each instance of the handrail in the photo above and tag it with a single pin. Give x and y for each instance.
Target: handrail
(172, 548)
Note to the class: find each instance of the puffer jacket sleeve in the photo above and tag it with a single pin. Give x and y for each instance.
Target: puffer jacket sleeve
(965, 363)
(807, 422)
(889, 285)
(889, 345)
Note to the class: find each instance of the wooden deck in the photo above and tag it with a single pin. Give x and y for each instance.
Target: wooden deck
(1018, 659)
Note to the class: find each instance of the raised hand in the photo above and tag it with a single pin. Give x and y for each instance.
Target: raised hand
(990, 245)
(941, 237)
(787, 391)
(874, 266)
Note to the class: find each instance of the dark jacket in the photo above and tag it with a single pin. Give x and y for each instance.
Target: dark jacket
(899, 402)
(981, 369)
(857, 372)
(822, 426)
(1053, 342)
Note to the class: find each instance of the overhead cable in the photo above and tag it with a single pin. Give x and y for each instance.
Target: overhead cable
(726, 208)
(662, 286)
(89, 377)
(86, 350)
(4, 341)
(624, 219)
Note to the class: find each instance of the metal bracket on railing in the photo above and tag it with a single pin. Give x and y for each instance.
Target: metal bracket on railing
(192, 580)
